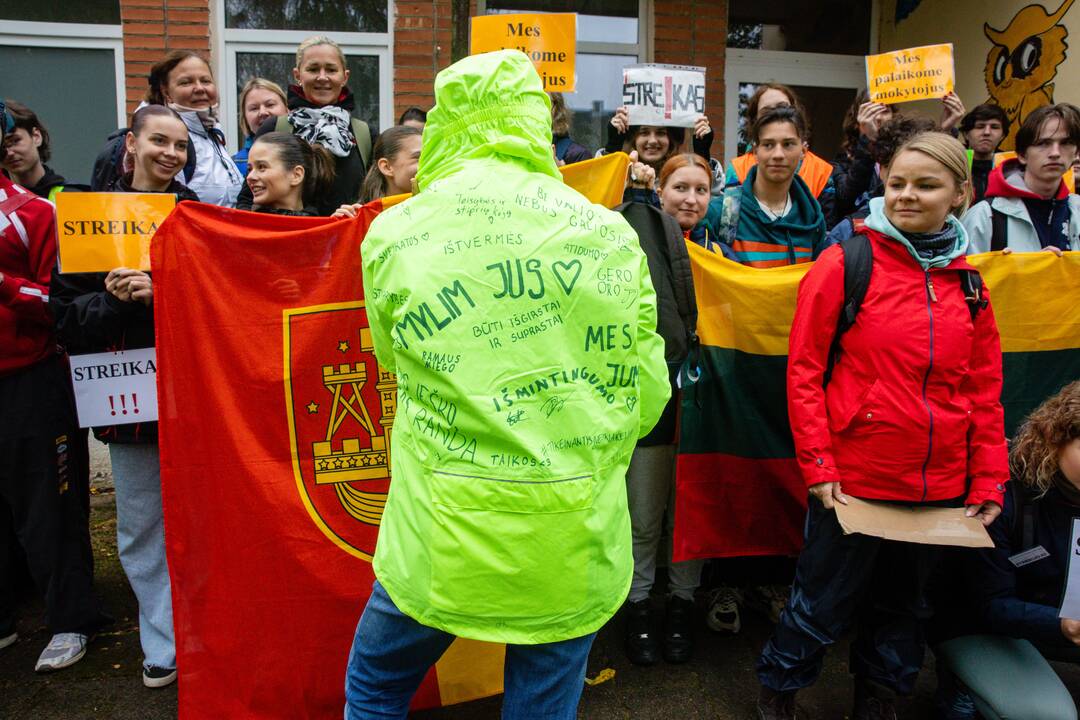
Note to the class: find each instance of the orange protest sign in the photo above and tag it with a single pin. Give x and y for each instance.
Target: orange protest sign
(549, 39)
(1069, 177)
(918, 73)
(101, 231)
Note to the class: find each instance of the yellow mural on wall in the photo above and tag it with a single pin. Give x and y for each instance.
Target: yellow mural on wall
(1023, 62)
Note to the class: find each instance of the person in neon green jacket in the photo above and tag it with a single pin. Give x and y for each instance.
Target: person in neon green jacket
(520, 321)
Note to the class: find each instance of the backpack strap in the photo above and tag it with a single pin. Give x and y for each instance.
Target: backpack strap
(362, 133)
(999, 238)
(857, 225)
(858, 265)
(56, 190)
(15, 201)
(972, 285)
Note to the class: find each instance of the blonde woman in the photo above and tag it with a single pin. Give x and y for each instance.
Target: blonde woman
(260, 100)
(320, 112)
(902, 407)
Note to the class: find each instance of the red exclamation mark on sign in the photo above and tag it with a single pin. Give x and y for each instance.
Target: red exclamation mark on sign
(135, 403)
(667, 97)
(123, 405)
(112, 405)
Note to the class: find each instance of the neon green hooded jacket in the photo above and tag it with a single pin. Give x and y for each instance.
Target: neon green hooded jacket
(520, 321)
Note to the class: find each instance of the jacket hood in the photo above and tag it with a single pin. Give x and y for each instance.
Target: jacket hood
(47, 182)
(877, 221)
(805, 215)
(1007, 180)
(487, 106)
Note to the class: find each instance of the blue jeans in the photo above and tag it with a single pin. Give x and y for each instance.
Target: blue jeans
(391, 653)
(140, 539)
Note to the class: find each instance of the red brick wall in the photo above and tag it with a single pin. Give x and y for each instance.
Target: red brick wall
(422, 37)
(154, 27)
(694, 32)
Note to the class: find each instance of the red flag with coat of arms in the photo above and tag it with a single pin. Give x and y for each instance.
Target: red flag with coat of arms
(275, 426)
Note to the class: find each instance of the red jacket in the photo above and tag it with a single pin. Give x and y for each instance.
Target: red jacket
(27, 256)
(913, 409)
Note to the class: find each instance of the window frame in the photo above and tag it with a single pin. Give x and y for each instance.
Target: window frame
(78, 36)
(226, 43)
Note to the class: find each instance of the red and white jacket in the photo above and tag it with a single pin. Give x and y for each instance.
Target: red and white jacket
(912, 411)
(27, 256)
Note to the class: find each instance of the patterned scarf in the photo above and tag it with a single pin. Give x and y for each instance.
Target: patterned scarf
(931, 245)
(329, 126)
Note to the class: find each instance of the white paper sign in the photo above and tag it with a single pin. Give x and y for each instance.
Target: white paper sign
(657, 94)
(1070, 605)
(115, 388)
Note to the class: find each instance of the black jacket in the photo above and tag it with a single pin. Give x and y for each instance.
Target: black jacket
(662, 241)
(854, 175)
(349, 171)
(51, 180)
(90, 320)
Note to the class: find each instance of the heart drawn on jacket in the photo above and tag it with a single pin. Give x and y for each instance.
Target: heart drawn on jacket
(567, 271)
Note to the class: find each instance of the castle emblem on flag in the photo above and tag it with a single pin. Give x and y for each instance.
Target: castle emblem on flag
(341, 408)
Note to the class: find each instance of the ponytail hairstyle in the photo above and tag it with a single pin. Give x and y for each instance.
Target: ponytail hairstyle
(316, 160)
(387, 147)
(948, 151)
(159, 74)
(682, 160)
(139, 117)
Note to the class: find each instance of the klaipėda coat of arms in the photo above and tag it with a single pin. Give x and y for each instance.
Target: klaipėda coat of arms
(341, 408)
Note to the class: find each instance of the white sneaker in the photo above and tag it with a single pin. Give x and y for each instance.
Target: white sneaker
(8, 640)
(63, 650)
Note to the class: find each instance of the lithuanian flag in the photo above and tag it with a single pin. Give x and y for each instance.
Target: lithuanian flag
(738, 489)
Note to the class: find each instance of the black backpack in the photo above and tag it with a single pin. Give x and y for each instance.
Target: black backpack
(858, 265)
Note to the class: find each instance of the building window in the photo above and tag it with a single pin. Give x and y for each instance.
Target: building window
(323, 16)
(835, 27)
(97, 12)
(258, 38)
(610, 36)
(84, 45)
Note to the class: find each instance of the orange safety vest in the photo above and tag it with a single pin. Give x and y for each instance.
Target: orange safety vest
(814, 171)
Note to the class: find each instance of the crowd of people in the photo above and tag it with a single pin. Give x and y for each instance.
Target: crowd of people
(893, 394)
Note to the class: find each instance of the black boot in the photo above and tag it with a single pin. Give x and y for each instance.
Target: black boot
(679, 630)
(775, 705)
(873, 701)
(640, 638)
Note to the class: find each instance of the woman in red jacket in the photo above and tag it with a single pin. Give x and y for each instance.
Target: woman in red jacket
(909, 413)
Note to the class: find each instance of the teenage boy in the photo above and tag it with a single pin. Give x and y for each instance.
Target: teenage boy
(771, 219)
(1027, 206)
(43, 487)
(25, 152)
(983, 129)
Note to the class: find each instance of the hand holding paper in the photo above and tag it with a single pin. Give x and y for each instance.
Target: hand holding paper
(829, 494)
(985, 513)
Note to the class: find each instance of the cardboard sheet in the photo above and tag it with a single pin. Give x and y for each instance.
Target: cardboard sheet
(930, 526)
